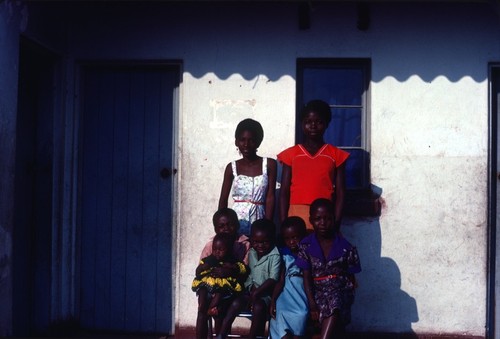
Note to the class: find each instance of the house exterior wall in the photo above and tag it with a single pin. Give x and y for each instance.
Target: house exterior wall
(425, 258)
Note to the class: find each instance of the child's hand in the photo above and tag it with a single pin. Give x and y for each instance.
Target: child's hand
(254, 295)
(203, 269)
(272, 309)
(222, 271)
(314, 312)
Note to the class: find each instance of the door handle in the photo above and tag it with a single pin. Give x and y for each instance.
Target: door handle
(167, 172)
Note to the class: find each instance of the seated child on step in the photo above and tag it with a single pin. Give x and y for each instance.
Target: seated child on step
(225, 221)
(329, 263)
(215, 287)
(264, 262)
(289, 311)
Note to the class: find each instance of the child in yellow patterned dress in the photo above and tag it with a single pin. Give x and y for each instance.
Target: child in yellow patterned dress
(212, 287)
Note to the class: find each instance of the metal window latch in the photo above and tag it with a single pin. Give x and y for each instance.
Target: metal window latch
(167, 172)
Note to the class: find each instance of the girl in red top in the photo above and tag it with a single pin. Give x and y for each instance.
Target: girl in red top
(312, 169)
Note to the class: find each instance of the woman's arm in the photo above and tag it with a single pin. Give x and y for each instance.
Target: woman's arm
(226, 186)
(339, 194)
(271, 187)
(286, 179)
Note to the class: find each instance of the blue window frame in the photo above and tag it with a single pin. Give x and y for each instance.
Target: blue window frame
(344, 85)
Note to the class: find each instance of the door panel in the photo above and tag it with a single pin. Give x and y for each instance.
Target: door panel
(496, 238)
(126, 213)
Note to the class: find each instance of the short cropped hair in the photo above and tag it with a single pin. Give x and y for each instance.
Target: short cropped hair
(322, 202)
(228, 212)
(295, 222)
(264, 225)
(319, 107)
(225, 238)
(252, 126)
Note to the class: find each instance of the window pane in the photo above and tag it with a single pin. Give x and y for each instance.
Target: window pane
(345, 128)
(336, 86)
(343, 84)
(355, 173)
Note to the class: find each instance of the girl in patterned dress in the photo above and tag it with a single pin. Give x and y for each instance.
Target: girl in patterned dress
(329, 262)
(251, 179)
(214, 288)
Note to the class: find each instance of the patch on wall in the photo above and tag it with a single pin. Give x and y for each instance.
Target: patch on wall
(228, 113)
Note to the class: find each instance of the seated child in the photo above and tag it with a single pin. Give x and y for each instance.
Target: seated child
(329, 262)
(205, 284)
(264, 261)
(289, 311)
(225, 220)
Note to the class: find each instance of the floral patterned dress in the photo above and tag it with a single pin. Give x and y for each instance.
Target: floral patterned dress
(333, 277)
(249, 195)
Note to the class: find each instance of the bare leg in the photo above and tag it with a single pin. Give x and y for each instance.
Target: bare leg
(331, 327)
(202, 318)
(328, 327)
(217, 324)
(223, 306)
(212, 308)
(236, 306)
(259, 317)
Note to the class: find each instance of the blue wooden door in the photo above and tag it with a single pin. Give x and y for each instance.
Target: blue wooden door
(126, 196)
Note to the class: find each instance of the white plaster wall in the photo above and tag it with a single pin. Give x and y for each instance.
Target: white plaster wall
(424, 259)
(208, 128)
(431, 164)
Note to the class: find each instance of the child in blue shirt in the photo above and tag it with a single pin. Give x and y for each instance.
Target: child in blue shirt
(289, 308)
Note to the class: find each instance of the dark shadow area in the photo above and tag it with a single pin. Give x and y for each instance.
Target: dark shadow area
(235, 38)
(384, 306)
(33, 190)
(71, 329)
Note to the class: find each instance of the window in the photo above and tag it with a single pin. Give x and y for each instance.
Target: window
(344, 84)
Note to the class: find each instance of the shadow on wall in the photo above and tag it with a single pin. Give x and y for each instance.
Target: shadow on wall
(380, 304)
(401, 19)
(226, 33)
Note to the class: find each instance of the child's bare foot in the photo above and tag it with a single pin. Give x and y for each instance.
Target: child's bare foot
(213, 311)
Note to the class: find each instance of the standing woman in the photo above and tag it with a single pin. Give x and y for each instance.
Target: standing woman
(251, 179)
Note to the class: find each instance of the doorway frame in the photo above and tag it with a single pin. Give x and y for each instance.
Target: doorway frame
(40, 306)
(72, 209)
(493, 289)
